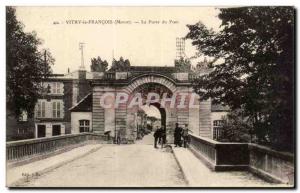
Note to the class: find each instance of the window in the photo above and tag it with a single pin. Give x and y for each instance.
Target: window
(56, 130)
(41, 109)
(56, 88)
(217, 129)
(84, 126)
(41, 131)
(56, 111)
(218, 123)
(217, 133)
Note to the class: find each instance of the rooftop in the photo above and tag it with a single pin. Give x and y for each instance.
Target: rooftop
(165, 69)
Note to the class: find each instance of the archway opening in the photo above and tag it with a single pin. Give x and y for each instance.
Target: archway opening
(155, 112)
(154, 117)
(150, 115)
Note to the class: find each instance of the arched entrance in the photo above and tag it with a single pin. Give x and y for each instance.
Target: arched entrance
(122, 119)
(142, 92)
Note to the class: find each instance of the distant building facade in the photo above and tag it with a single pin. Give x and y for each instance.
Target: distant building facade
(52, 112)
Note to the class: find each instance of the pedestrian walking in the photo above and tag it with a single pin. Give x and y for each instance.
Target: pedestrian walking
(157, 135)
(177, 135)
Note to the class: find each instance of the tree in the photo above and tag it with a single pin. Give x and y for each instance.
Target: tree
(97, 65)
(183, 65)
(237, 127)
(26, 66)
(253, 67)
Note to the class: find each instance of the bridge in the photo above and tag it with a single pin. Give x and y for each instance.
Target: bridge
(92, 160)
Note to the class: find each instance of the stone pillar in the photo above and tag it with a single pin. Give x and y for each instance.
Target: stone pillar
(98, 111)
(182, 104)
(205, 129)
(131, 124)
(109, 113)
(194, 113)
(121, 117)
(171, 119)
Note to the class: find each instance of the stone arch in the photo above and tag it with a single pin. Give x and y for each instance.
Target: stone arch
(151, 78)
(169, 116)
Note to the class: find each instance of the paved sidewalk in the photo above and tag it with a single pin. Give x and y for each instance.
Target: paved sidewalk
(21, 174)
(198, 175)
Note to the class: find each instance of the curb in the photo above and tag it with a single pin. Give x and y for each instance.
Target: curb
(185, 178)
(22, 180)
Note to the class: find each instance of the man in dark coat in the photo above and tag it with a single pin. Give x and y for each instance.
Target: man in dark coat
(163, 136)
(157, 135)
(177, 135)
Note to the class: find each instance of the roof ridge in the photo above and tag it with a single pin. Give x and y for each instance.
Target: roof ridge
(80, 101)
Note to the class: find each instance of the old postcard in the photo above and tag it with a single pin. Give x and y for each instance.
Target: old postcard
(152, 97)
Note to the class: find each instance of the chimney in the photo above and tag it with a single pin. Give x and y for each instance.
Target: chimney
(82, 71)
(82, 59)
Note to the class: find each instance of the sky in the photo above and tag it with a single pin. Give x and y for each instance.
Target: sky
(152, 44)
(151, 111)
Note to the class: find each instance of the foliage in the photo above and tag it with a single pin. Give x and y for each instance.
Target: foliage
(97, 65)
(237, 127)
(121, 65)
(183, 65)
(253, 68)
(26, 66)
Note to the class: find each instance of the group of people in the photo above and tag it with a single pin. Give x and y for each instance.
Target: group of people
(181, 135)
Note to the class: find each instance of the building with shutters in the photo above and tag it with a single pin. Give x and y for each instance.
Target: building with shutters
(52, 115)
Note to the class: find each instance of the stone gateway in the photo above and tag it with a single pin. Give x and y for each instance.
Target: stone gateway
(140, 81)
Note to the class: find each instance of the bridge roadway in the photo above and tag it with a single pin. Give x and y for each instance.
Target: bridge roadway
(139, 165)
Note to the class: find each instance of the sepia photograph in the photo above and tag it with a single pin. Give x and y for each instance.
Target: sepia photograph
(150, 97)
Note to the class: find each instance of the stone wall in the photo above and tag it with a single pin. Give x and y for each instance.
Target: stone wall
(121, 118)
(98, 111)
(271, 164)
(25, 149)
(205, 129)
(76, 116)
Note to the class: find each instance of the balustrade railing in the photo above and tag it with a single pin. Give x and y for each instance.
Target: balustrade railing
(16, 150)
(221, 156)
(205, 147)
(272, 165)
